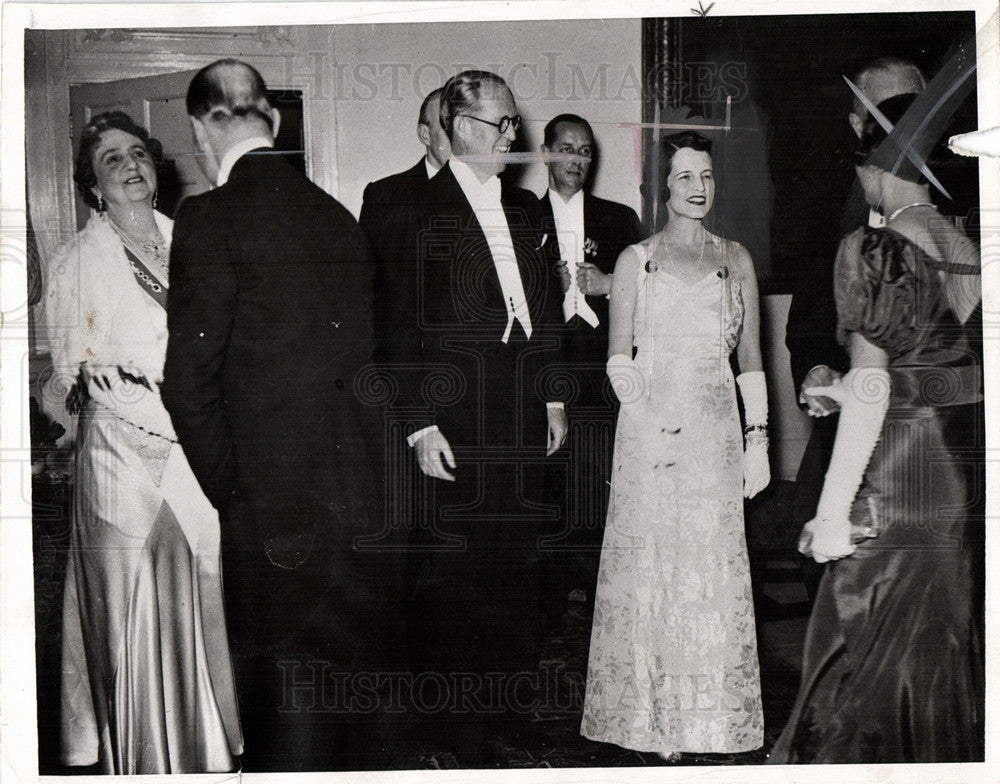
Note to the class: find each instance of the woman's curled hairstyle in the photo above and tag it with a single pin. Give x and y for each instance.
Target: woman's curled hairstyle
(669, 145)
(90, 139)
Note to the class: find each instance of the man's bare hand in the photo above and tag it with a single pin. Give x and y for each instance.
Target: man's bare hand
(591, 281)
(562, 272)
(558, 428)
(433, 452)
(819, 405)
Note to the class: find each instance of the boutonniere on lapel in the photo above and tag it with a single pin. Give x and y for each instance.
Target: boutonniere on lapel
(590, 247)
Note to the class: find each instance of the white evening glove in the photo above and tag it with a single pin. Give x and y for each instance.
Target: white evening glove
(756, 468)
(626, 378)
(863, 395)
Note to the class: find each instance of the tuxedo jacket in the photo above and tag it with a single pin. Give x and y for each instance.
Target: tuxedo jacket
(383, 197)
(811, 330)
(446, 318)
(270, 321)
(613, 227)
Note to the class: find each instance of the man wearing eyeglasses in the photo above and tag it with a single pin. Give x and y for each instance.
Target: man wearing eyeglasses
(481, 326)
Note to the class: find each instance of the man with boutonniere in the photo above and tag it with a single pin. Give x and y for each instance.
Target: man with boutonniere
(590, 232)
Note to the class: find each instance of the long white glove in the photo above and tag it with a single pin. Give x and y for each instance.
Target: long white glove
(863, 395)
(756, 467)
(626, 379)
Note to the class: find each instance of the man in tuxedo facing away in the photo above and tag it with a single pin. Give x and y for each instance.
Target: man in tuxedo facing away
(270, 320)
(380, 196)
(590, 234)
(475, 308)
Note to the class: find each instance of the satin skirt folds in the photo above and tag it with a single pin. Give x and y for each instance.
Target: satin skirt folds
(147, 683)
(893, 662)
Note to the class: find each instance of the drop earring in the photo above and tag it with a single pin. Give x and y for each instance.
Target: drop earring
(155, 194)
(100, 203)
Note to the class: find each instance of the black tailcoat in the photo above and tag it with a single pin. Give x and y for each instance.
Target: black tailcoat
(474, 608)
(270, 319)
(383, 197)
(613, 227)
(610, 227)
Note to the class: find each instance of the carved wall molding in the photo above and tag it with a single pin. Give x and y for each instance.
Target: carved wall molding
(216, 41)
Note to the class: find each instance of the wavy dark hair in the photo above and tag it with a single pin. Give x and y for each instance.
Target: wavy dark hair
(549, 135)
(669, 147)
(90, 138)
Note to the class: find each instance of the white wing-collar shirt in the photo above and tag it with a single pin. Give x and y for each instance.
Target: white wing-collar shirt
(431, 166)
(484, 197)
(570, 232)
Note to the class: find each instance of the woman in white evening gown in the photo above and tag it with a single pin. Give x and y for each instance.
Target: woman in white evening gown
(147, 683)
(673, 658)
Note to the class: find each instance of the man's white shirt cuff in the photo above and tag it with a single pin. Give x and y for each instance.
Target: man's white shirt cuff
(416, 436)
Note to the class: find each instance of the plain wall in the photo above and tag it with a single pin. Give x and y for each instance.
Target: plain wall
(380, 75)
(362, 88)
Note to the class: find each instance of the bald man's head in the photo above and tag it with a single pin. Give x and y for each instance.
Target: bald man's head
(881, 79)
(229, 90)
(227, 103)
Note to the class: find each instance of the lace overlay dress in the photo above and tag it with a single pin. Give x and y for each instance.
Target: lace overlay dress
(673, 657)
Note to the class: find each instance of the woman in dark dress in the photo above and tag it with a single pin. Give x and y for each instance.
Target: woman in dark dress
(893, 667)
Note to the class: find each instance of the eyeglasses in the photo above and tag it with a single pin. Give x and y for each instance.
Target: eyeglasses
(502, 126)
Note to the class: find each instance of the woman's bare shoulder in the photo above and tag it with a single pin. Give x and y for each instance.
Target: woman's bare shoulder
(635, 255)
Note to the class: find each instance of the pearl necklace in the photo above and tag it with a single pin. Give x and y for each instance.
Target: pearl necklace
(896, 213)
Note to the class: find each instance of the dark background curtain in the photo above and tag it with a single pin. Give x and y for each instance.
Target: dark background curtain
(784, 171)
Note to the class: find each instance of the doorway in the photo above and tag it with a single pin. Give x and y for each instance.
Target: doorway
(158, 104)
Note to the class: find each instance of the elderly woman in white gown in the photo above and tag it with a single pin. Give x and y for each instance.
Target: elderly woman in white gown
(147, 683)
